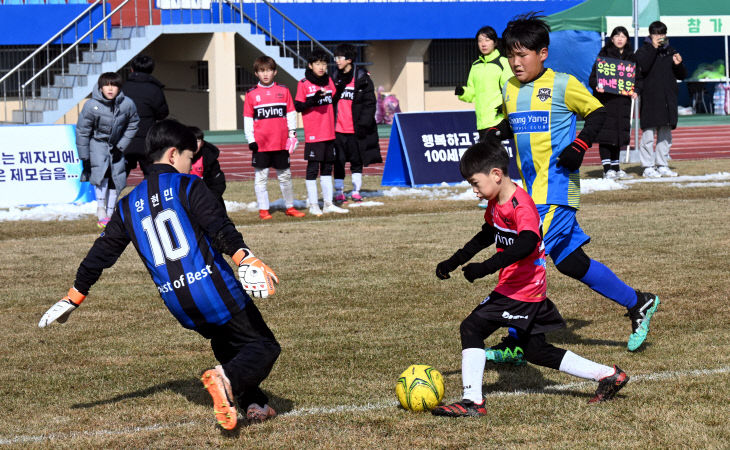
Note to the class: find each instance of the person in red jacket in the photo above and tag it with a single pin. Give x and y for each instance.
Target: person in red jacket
(270, 122)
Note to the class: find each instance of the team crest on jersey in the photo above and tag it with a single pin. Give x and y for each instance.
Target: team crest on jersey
(544, 93)
(258, 98)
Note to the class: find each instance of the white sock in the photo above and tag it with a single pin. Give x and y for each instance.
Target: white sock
(262, 196)
(584, 368)
(100, 192)
(356, 182)
(472, 371)
(326, 182)
(111, 201)
(312, 195)
(339, 186)
(286, 187)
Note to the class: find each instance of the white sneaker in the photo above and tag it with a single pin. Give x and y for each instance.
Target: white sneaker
(331, 208)
(610, 174)
(622, 175)
(651, 172)
(315, 211)
(665, 171)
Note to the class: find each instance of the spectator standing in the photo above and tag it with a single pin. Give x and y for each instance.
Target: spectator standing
(206, 166)
(356, 134)
(660, 66)
(106, 126)
(616, 130)
(146, 93)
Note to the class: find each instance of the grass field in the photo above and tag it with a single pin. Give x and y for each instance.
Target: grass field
(358, 303)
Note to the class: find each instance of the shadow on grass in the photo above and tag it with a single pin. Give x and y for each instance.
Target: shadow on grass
(569, 336)
(190, 388)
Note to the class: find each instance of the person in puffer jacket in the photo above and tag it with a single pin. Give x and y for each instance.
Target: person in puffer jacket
(106, 126)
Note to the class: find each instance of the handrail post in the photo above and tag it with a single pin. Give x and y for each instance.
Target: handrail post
(220, 11)
(149, 9)
(136, 21)
(103, 14)
(22, 99)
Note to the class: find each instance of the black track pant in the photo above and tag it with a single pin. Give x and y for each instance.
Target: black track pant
(247, 349)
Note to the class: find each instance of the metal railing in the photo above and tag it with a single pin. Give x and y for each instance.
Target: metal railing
(32, 79)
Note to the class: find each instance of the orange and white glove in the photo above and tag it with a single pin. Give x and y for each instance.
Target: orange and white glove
(62, 309)
(257, 278)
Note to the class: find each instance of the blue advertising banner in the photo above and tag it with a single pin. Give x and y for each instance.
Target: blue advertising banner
(425, 148)
(39, 165)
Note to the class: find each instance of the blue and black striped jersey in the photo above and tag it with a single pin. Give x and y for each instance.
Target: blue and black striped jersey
(179, 230)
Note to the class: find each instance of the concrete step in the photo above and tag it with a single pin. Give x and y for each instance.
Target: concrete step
(30, 116)
(41, 104)
(69, 80)
(84, 68)
(56, 92)
(122, 33)
(98, 56)
(106, 45)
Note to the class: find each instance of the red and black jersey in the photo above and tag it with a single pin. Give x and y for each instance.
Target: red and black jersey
(268, 107)
(319, 121)
(344, 109)
(525, 279)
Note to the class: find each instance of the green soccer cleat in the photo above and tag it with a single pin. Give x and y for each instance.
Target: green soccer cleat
(640, 315)
(506, 352)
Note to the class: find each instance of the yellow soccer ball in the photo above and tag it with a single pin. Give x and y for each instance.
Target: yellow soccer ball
(420, 388)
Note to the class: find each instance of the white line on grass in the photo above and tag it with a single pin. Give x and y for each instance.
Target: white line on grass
(315, 411)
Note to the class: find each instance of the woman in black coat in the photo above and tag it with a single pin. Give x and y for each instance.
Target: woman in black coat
(616, 131)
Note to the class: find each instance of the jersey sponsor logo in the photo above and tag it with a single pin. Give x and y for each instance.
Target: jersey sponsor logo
(544, 93)
(269, 112)
(530, 121)
(348, 94)
(508, 316)
(503, 240)
(189, 277)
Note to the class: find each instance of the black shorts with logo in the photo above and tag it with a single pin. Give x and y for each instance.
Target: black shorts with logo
(320, 151)
(532, 317)
(278, 159)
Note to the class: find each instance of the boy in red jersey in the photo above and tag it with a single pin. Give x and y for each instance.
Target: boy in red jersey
(314, 101)
(519, 300)
(270, 122)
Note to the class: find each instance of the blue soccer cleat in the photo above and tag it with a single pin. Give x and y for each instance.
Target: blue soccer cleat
(640, 315)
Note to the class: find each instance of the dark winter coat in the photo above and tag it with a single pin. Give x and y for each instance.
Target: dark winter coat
(659, 90)
(105, 128)
(146, 93)
(616, 128)
(363, 113)
(212, 174)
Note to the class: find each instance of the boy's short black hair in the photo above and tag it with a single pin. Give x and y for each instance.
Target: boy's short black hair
(165, 134)
(264, 62)
(488, 32)
(526, 30)
(110, 79)
(657, 27)
(482, 158)
(347, 50)
(197, 132)
(143, 63)
(318, 55)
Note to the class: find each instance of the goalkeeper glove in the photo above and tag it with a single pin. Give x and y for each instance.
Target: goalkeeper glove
(572, 156)
(62, 309)
(291, 143)
(256, 277)
(478, 270)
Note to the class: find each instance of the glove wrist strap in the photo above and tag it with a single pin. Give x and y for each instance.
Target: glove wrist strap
(240, 255)
(75, 296)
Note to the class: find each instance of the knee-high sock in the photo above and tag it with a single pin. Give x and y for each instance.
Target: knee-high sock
(111, 201)
(339, 186)
(472, 371)
(326, 182)
(584, 368)
(262, 196)
(602, 280)
(356, 182)
(312, 196)
(100, 191)
(286, 187)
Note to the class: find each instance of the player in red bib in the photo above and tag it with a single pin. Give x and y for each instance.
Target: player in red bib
(519, 300)
(206, 165)
(314, 101)
(270, 122)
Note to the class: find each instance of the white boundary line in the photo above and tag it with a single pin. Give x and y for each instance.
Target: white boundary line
(354, 408)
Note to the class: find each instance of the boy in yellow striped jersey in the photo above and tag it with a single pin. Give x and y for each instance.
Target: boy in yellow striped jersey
(541, 106)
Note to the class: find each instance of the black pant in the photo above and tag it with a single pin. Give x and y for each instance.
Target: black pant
(247, 349)
(609, 156)
(347, 151)
(135, 153)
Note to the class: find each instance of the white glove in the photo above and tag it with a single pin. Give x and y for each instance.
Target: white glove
(62, 309)
(291, 144)
(256, 277)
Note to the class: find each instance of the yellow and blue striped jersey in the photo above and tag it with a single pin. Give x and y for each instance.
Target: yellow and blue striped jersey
(542, 114)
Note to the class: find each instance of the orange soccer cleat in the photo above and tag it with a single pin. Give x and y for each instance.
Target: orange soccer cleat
(264, 214)
(294, 213)
(219, 388)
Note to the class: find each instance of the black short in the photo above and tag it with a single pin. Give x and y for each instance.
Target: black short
(278, 159)
(532, 317)
(348, 149)
(320, 151)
